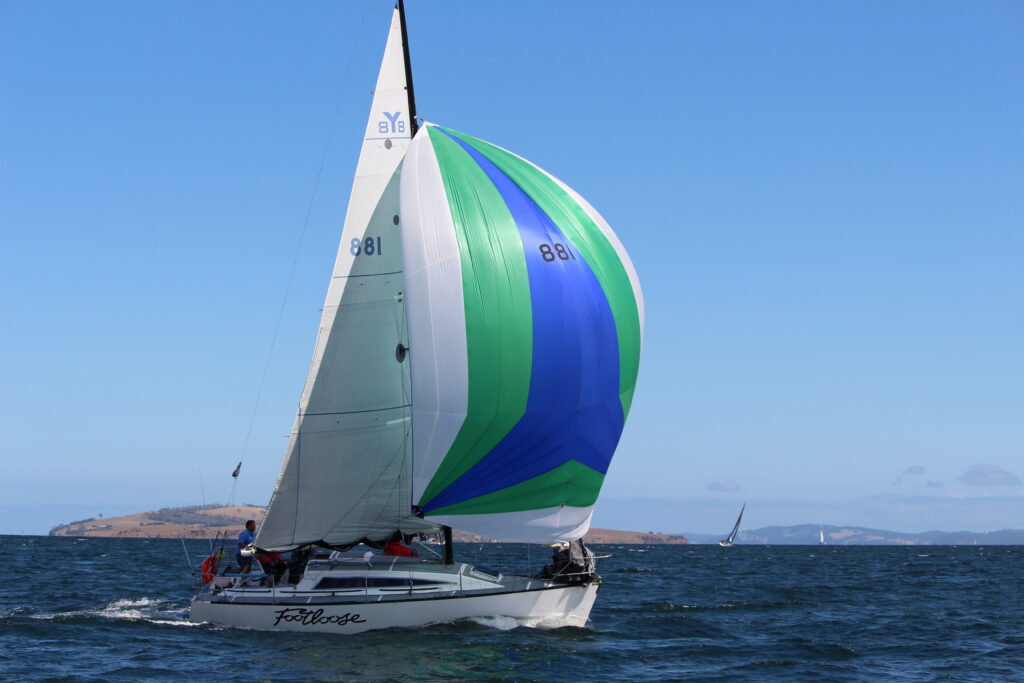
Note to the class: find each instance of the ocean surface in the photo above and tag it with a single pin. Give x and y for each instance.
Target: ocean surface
(117, 610)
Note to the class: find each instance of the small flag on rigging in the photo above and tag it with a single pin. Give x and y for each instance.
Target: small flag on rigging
(237, 470)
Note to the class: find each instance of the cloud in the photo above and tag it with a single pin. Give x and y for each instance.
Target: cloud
(914, 470)
(932, 484)
(988, 475)
(727, 486)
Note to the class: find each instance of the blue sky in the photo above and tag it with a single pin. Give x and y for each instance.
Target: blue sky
(824, 203)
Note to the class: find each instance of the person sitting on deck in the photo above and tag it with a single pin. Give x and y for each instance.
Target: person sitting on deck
(245, 539)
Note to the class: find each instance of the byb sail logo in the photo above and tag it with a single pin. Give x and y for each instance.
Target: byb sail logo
(391, 123)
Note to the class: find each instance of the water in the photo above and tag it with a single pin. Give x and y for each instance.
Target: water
(116, 610)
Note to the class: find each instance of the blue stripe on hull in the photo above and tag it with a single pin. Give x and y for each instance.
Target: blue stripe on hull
(573, 410)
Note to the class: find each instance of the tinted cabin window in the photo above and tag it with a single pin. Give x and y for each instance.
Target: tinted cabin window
(374, 582)
(487, 571)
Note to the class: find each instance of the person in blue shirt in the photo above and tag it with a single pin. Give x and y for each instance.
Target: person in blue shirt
(245, 539)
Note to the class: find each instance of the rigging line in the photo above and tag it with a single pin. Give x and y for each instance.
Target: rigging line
(202, 490)
(234, 487)
(305, 225)
(401, 451)
(185, 548)
(401, 328)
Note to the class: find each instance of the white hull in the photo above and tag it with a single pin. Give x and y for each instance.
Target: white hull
(553, 607)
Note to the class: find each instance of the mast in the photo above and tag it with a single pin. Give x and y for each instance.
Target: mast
(449, 550)
(413, 126)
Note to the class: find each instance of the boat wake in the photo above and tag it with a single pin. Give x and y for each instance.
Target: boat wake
(142, 609)
(545, 622)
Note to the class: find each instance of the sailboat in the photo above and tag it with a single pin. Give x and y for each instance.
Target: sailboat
(735, 529)
(475, 363)
(821, 537)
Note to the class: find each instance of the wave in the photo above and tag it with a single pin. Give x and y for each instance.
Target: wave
(544, 623)
(146, 609)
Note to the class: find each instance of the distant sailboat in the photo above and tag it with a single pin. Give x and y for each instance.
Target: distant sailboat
(821, 537)
(735, 529)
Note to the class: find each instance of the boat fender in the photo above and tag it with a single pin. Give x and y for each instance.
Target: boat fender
(209, 568)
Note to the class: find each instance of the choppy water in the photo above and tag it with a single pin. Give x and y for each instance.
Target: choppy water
(116, 610)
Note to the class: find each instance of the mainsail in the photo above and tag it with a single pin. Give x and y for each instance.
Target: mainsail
(736, 526)
(478, 350)
(345, 475)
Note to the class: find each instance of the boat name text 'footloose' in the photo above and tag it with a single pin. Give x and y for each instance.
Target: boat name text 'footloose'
(309, 617)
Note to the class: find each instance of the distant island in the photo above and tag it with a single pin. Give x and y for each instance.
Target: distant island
(208, 521)
(807, 534)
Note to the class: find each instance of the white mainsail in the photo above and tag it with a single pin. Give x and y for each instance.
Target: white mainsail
(345, 475)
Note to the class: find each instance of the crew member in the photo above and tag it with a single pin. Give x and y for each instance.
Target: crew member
(245, 539)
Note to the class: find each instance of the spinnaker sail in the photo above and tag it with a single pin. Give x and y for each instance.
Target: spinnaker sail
(525, 325)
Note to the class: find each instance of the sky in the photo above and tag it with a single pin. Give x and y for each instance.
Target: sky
(824, 203)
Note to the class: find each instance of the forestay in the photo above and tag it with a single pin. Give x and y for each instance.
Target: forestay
(346, 472)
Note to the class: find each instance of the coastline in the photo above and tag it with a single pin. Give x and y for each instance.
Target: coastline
(209, 521)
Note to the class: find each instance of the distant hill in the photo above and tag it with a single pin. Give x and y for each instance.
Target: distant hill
(207, 521)
(807, 534)
(196, 521)
(598, 536)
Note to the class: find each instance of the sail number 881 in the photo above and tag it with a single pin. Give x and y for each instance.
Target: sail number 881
(368, 246)
(558, 251)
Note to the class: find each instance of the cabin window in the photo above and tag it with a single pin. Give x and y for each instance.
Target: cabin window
(372, 582)
(486, 571)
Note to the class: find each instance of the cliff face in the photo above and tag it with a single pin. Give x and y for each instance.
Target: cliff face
(208, 521)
